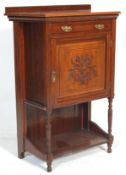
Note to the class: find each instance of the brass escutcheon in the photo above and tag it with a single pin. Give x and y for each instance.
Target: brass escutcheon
(53, 76)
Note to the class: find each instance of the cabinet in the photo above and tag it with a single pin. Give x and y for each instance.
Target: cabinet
(64, 59)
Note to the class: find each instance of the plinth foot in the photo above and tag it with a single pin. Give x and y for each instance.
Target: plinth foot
(21, 155)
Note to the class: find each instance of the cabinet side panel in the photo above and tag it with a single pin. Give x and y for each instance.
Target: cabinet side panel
(20, 84)
(35, 62)
(63, 120)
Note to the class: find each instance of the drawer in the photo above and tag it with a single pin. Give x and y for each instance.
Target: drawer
(93, 26)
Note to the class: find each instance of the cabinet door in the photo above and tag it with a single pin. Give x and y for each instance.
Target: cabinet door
(81, 68)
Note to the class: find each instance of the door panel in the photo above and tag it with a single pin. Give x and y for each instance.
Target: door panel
(82, 69)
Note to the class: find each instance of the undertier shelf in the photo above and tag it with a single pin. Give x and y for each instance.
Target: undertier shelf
(75, 141)
(71, 142)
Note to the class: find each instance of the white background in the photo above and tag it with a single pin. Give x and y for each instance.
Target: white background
(93, 161)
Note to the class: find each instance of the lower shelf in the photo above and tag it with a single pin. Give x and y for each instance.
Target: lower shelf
(75, 141)
(71, 142)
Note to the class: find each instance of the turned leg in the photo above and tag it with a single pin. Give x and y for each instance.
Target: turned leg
(49, 163)
(48, 141)
(110, 137)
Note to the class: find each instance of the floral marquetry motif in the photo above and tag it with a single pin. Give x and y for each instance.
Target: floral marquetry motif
(83, 69)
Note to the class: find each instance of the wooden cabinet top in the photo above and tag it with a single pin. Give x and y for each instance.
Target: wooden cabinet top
(44, 12)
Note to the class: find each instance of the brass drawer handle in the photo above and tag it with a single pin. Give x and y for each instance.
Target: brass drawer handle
(66, 28)
(99, 26)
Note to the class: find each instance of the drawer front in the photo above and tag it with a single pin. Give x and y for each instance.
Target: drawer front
(94, 26)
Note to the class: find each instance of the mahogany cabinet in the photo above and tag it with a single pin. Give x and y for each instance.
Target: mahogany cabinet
(64, 59)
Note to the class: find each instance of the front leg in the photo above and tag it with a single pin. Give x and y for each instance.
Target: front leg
(110, 137)
(48, 141)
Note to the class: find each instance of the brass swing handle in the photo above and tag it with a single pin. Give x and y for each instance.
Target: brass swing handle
(66, 28)
(99, 26)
